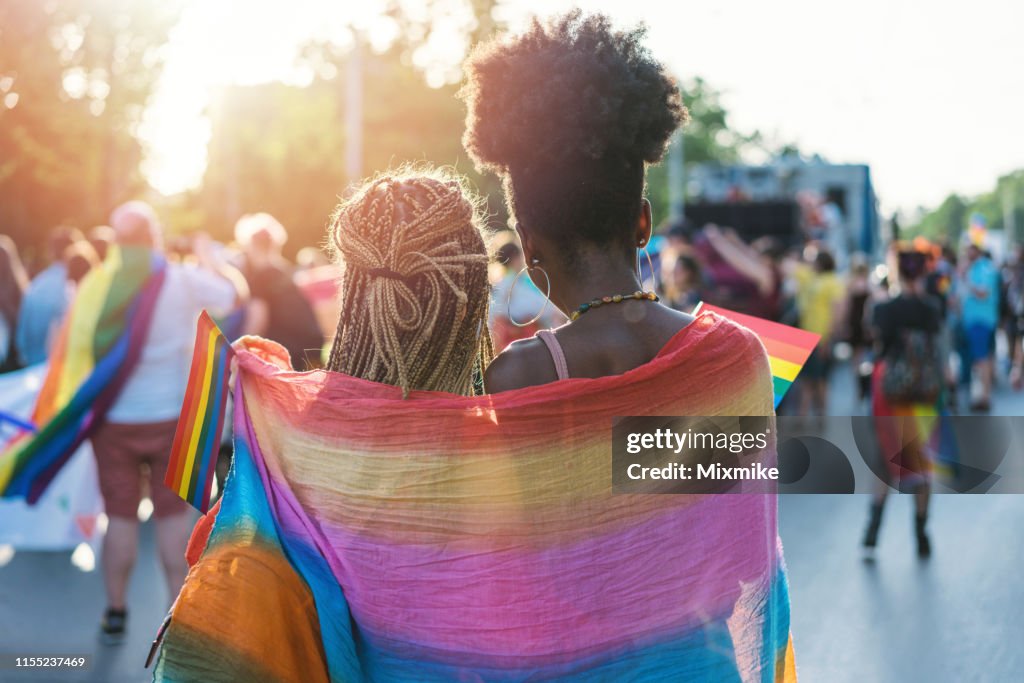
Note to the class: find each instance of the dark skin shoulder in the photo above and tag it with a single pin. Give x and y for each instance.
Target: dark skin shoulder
(605, 341)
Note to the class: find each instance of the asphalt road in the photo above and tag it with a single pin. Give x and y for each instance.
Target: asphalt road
(955, 617)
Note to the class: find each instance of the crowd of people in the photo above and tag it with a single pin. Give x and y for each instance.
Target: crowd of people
(979, 303)
(415, 298)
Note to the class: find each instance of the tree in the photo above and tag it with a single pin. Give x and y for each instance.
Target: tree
(949, 220)
(706, 138)
(74, 79)
(280, 149)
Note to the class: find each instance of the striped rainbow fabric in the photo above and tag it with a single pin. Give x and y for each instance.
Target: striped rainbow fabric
(788, 347)
(366, 538)
(96, 351)
(197, 437)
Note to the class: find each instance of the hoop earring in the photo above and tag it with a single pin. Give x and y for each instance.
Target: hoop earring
(650, 268)
(547, 295)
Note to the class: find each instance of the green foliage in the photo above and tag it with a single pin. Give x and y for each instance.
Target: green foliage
(706, 138)
(83, 72)
(281, 149)
(74, 79)
(950, 219)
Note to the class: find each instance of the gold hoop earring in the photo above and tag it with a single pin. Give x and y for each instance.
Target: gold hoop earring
(547, 295)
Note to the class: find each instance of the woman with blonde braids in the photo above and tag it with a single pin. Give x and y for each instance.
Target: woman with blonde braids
(414, 290)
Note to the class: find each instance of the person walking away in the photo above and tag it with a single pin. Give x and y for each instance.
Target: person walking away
(820, 303)
(569, 115)
(980, 317)
(907, 386)
(135, 439)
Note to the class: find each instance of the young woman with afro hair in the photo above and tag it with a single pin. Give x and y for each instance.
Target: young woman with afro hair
(569, 114)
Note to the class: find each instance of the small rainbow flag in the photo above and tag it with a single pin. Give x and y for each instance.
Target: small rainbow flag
(788, 347)
(197, 438)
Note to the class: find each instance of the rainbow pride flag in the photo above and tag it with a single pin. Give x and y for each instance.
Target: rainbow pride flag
(98, 347)
(197, 438)
(788, 347)
(363, 537)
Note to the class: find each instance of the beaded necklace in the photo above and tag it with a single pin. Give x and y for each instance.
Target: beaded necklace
(618, 298)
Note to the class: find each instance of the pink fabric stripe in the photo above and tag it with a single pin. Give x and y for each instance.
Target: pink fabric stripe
(544, 595)
(557, 355)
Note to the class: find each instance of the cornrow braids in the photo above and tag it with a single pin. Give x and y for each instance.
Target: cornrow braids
(414, 289)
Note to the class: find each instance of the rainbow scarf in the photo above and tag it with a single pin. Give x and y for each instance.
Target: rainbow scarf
(439, 538)
(97, 350)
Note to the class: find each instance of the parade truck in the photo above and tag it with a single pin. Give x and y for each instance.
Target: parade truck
(793, 199)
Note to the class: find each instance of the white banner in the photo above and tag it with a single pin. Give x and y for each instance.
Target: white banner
(68, 513)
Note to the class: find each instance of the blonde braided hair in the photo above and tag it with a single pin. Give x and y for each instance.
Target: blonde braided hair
(414, 290)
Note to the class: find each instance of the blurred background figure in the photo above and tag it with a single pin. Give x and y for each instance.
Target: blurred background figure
(46, 299)
(309, 258)
(858, 330)
(1013, 278)
(134, 440)
(277, 308)
(101, 237)
(681, 281)
(516, 300)
(319, 281)
(820, 304)
(939, 283)
(739, 276)
(979, 315)
(907, 385)
(13, 282)
(79, 259)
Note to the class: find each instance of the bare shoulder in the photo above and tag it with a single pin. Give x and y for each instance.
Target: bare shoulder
(524, 363)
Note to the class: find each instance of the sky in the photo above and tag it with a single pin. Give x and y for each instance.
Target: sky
(930, 95)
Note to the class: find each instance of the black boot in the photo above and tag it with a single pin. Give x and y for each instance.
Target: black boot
(874, 523)
(112, 627)
(924, 546)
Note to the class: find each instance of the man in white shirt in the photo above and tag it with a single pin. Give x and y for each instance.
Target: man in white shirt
(138, 432)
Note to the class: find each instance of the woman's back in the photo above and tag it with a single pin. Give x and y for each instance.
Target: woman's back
(613, 347)
(901, 314)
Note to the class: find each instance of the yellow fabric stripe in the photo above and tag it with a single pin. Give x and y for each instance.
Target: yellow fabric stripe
(783, 368)
(85, 314)
(7, 461)
(197, 426)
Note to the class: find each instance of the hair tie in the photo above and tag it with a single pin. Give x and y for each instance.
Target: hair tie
(389, 274)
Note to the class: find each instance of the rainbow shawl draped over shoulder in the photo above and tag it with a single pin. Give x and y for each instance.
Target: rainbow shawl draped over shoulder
(98, 347)
(366, 538)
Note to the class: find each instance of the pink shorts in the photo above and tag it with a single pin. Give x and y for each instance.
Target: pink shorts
(127, 452)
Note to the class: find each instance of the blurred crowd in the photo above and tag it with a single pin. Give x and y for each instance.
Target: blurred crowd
(289, 301)
(979, 300)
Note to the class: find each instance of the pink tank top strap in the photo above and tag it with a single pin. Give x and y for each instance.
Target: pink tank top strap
(555, 349)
